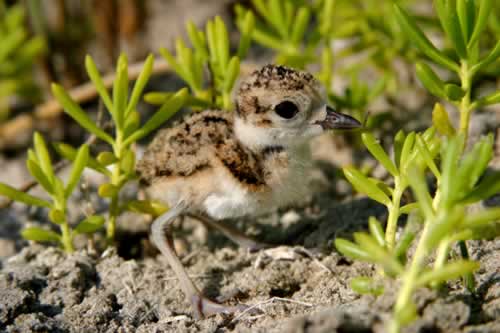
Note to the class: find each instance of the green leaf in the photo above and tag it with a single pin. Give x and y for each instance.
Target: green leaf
(176, 67)
(16, 195)
(140, 83)
(10, 43)
(74, 110)
(127, 163)
(211, 40)
(441, 121)
(39, 175)
(408, 208)
(278, 17)
(414, 34)
(477, 160)
(70, 153)
(427, 156)
(79, 164)
(326, 17)
(403, 245)
(196, 38)
(407, 149)
(453, 92)
(106, 158)
(146, 207)
(487, 187)
(362, 184)
(43, 156)
(57, 216)
(366, 285)
(59, 193)
(444, 225)
(378, 152)
(430, 80)
(163, 114)
(222, 41)
(377, 253)
(233, 70)
(90, 225)
(448, 272)
(490, 58)
(376, 230)
(398, 146)
(96, 79)
(370, 245)
(485, 7)
(157, 98)
(419, 186)
(481, 218)
(185, 60)
(300, 24)
(466, 10)
(40, 235)
(449, 161)
(120, 91)
(246, 34)
(132, 123)
(108, 190)
(351, 250)
(452, 27)
(494, 98)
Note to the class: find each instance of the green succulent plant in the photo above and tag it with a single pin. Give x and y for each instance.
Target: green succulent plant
(17, 55)
(118, 164)
(210, 53)
(40, 166)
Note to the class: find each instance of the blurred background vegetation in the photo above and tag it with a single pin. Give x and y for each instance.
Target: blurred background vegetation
(355, 47)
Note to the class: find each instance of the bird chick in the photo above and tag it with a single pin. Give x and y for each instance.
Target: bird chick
(218, 165)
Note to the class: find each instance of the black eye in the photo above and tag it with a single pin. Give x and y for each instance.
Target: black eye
(286, 109)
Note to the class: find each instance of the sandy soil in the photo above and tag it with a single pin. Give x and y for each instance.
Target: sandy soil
(293, 288)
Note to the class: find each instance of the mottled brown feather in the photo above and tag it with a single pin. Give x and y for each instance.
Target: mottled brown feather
(200, 141)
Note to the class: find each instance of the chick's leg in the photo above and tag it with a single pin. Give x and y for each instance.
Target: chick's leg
(232, 233)
(162, 238)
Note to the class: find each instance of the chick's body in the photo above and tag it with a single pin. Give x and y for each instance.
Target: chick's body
(220, 165)
(202, 162)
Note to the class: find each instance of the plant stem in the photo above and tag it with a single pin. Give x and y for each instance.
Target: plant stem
(409, 281)
(67, 240)
(465, 104)
(465, 112)
(115, 180)
(392, 220)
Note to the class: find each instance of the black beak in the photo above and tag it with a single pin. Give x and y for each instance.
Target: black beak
(337, 120)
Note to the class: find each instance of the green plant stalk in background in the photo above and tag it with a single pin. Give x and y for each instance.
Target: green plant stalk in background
(17, 56)
(210, 52)
(40, 167)
(126, 120)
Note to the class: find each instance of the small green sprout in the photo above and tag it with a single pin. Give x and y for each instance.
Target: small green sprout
(41, 168)
(210, 50)
(118, 164)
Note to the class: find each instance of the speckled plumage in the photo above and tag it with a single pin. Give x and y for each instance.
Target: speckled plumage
(228, 164)
(202, 140)
(222, 165)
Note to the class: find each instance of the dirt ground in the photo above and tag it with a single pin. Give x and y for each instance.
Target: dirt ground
(302, 286)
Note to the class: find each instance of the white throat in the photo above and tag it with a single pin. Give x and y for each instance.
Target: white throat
(253, 137)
